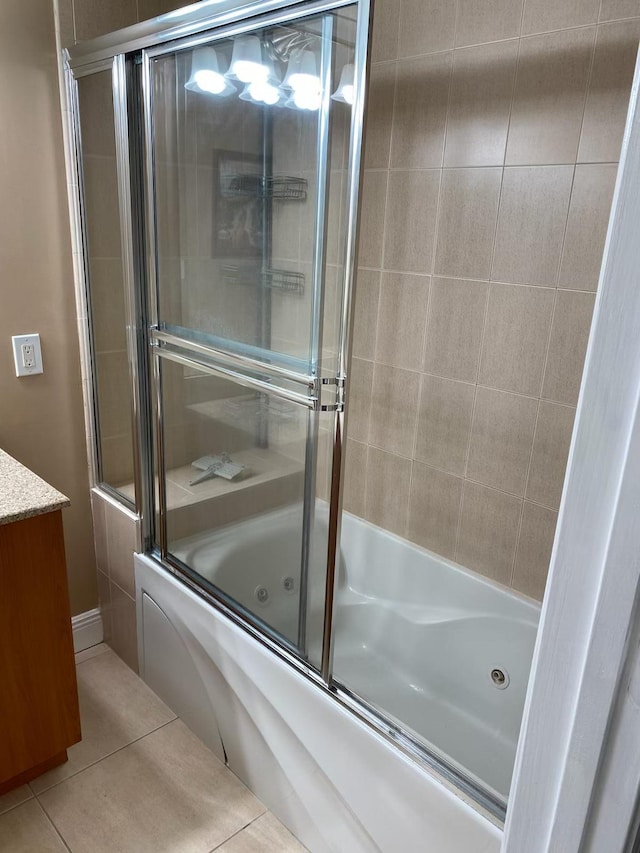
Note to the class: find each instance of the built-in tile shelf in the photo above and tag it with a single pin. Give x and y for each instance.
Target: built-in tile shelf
(270, 479)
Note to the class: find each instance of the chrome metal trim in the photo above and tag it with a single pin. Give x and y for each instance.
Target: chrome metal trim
(183, 23)
(361, 64)
(243, 361)
(136, 168)
(309, 402)
(87, 348)
(92, 68)
(74, 105)
(406, 743)
(265, 18)
(150, 192)
(159, 467)
(159, 479)
(116, 497)
(315, 331)
(121, 128)
(173, 567)
(414, 748)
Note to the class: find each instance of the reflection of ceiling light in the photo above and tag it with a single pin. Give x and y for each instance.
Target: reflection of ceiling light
(306, 99)
(205, 73)
(209, 81)
(302, 74)
(261, 92)
(246, 60)
(264, 91)
(345, 91)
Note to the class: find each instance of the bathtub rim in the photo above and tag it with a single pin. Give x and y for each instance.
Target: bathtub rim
(482, 799)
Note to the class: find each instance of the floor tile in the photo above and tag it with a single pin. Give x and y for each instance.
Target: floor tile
(264, 835)
(26, 829)
(166, 792)
(116, 708)
(91, 652)
(14, 798)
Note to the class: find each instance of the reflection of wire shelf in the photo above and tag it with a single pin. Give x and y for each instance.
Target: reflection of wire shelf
(276, 279)
(282, 187)
(290, 282)
(241, 408)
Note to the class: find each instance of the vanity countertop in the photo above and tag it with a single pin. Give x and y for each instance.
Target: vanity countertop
(23, 494)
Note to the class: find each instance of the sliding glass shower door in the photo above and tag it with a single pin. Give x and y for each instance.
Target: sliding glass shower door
(246, 143)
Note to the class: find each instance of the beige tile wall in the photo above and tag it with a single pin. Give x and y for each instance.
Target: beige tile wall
(81, 20)
(492, 139)
(116, 540)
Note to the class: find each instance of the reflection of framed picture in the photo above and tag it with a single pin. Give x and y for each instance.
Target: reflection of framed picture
(237, 205)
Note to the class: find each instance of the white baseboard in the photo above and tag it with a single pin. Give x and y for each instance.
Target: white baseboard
(87, 630)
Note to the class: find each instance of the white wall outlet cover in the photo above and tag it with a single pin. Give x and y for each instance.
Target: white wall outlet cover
(27, 355)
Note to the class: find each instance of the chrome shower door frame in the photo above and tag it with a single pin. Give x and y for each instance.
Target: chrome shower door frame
(231, 364)
(134, 310)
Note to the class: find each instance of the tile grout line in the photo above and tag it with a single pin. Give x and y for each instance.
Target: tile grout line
(414, 372)
(487, 299)
(98, 760)
(476, 167)
(242, 829)
(456, 475)
(520, 33)
(52, 824)
(489, 280)
(592, 63)
(456, 19)
(547, 350)
(524, 492)
(17, 805)
(519, 36)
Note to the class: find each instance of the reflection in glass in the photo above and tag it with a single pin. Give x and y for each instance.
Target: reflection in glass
(106, 284)
(234, 484)
(236, 142)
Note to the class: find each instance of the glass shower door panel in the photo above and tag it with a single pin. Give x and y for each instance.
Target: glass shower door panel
(248, 195)
(106, 288)
(234, 490)
(242, 186)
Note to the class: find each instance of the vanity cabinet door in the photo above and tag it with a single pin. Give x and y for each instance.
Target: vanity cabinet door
(39, 715)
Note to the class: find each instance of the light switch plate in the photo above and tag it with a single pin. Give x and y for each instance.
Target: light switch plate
(27, 354)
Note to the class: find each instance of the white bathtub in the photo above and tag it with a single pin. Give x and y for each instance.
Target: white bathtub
(414, 634)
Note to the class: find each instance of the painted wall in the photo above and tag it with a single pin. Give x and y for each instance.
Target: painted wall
(41, 417)
(492, 140)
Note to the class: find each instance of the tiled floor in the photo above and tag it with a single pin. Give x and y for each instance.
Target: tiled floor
(139, 781)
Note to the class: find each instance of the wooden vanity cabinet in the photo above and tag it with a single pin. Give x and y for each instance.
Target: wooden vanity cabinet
(39, 714)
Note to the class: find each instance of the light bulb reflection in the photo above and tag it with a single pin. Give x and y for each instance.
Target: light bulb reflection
(210, 81)
(246, 60)
(264, 92)
(249, 72)
(206, 76)
(306, 99)
(302, 74)
(345, 92)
